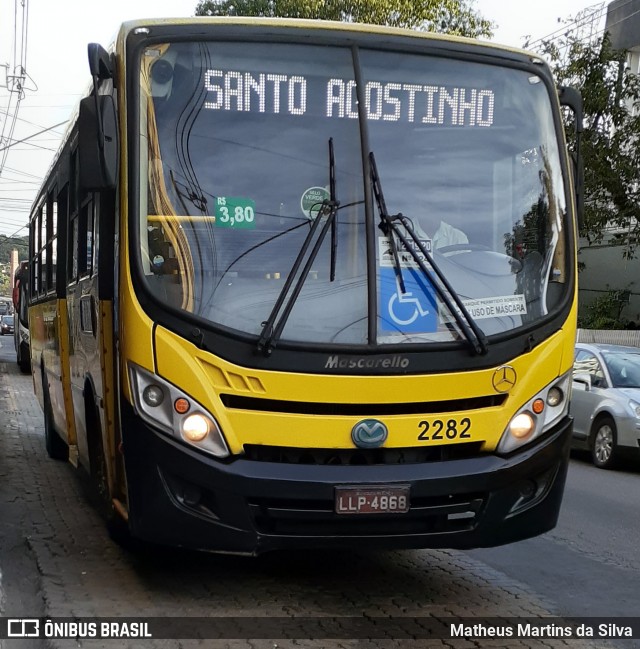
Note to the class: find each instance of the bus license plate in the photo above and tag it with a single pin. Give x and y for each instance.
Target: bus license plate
(372, 500)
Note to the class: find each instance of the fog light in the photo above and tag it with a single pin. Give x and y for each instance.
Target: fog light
(522, 425)
(153, 395)
(534, 490)
(555, 397)
(528, 489)
(195, 428)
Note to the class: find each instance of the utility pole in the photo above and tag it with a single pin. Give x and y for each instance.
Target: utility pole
(15, 78)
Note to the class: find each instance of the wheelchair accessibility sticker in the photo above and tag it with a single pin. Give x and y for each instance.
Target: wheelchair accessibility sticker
(415, 310)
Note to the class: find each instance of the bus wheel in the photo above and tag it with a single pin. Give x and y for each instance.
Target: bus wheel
(24, 362)
(55, 445)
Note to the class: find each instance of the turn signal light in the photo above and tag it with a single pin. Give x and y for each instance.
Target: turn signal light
(181, 406)
(537, 406)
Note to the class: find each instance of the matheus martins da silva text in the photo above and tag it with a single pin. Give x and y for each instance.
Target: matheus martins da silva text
(528, 630)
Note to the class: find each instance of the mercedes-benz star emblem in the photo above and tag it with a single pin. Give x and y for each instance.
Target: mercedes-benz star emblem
(369, 433)
(504, 378)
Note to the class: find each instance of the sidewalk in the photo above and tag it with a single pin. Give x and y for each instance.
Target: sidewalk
(57, 559)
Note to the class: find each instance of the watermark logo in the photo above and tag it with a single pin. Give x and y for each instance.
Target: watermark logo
(23, 628)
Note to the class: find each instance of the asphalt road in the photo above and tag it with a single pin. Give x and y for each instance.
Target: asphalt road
(590, 564)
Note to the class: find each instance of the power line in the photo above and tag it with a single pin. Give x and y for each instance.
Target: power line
(23, 173)
(13, 181)
(24, 227)
(20, 239)
(580, 21)
(44, 130)
(16, 82)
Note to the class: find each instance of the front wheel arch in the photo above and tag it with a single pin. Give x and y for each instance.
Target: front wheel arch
(117, 527)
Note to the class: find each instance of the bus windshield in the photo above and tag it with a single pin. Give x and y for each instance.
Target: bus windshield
(235, 170)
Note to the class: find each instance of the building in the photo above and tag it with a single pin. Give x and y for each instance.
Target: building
(606, 266)
(623, 25)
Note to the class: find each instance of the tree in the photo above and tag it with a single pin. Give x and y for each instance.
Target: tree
(444, 16)
(611, 138)
(7, 245)
(605, 312)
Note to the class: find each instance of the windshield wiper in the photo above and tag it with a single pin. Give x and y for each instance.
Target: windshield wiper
(389, 225)
(386, 221)
(273, 326)
(334, 222)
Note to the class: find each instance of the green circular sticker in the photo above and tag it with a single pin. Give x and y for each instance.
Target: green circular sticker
(311, 201)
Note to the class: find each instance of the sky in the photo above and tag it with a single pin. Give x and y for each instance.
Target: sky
(57, 33)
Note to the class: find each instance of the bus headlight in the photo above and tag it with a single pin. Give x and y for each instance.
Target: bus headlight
(163, 406)
(522, 425)
(537, 416)
(195, 427)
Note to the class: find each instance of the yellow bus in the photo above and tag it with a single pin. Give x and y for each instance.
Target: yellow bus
(300, 284)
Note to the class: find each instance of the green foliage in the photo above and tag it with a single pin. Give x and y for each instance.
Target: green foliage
(604, 312)
(611, 139)
(7, 244)
(445, 16)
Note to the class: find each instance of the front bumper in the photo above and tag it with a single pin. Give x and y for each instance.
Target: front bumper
(178, 496)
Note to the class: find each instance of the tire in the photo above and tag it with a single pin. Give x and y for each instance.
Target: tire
(57, 449)
(604, 443)
(23, 360)
(24, 365)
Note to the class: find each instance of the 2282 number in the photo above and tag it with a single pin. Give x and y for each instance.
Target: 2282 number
(441, 429)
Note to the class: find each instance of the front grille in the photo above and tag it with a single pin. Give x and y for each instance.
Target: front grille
(432, 515)
(361, 409)
(359, 456)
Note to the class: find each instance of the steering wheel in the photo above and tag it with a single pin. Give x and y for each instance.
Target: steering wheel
(516, 264)
(458, 247)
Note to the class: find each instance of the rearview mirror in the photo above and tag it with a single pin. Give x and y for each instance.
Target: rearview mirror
(98, 128)
(583, 379)
(98, 143)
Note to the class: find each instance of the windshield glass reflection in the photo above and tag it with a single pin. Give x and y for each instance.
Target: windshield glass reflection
(236, 174)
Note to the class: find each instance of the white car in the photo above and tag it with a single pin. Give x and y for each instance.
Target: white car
(605, 402)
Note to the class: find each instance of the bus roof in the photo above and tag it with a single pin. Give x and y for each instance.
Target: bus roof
(296, 23)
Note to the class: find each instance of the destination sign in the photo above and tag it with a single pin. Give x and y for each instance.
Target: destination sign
(261, 92)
